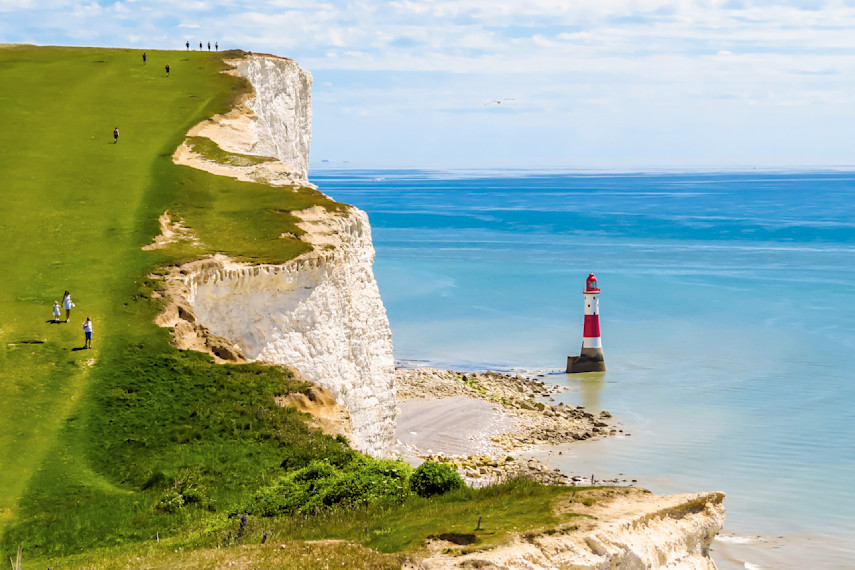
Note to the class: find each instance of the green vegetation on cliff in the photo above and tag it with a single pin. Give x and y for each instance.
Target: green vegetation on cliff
(135, 448)
(92, 439)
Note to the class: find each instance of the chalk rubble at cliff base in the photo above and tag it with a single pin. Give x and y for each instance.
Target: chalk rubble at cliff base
(530, 422)
(536, 422)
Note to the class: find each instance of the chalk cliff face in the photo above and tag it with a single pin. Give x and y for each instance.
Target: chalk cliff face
(320, 313)
(283, 107)
(634, 532)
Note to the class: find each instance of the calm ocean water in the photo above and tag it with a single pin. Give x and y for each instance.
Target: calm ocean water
(727, 313)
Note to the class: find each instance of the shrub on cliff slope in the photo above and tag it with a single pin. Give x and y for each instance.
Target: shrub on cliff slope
(322, 486)
(431, 478)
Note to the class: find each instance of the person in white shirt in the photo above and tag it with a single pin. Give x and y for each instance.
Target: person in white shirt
(87, 328)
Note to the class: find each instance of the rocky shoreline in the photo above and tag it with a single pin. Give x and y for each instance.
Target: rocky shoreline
(534, 422)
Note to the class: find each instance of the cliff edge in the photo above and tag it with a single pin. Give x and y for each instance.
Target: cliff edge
(612, 528)
(321, 312)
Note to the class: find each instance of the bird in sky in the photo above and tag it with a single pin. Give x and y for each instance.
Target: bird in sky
(499, 101)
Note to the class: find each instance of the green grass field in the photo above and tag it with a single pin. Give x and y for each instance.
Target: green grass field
(81, 430)
(76, 210)
(92, 441)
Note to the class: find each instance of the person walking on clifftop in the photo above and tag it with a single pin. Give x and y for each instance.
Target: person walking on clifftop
(87, 330)
(67, 304)
(115, 135)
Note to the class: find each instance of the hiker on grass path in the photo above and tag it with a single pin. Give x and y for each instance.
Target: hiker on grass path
(188, 45)
(67, 304)
(167, 70)
(115, 135)
(87, 330)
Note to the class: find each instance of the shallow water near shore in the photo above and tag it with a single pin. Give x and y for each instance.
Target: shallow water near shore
(727, 314)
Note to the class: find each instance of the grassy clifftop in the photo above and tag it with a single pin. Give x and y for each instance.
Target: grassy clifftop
(83, 431)
(105, 451)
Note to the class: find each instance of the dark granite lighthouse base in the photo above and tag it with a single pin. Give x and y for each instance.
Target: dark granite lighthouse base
(591, 360)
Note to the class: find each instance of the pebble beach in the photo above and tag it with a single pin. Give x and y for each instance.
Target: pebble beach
(485, 423)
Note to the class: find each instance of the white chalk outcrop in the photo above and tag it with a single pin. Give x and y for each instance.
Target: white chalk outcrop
(275, 122)
(320, 313)
(283, 107)
(638, 531)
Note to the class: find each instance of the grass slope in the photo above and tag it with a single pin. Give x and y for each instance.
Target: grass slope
(82, 429)
(99, 447)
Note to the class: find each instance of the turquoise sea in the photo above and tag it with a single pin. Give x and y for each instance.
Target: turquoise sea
(727, 313)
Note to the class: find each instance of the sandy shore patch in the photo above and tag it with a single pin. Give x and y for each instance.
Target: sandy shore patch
(453, 426)
(479, 422)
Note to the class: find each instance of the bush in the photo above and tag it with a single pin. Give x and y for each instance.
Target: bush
(431, 478)
(186, 489)
(321, 485)
(368, 482)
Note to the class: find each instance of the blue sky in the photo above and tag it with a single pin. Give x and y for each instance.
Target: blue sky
(594, 83)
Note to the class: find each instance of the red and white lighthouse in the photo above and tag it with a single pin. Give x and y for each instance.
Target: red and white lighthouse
(591, 357)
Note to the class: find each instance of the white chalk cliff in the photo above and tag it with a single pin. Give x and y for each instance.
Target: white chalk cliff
(320, 313)
(283, 106)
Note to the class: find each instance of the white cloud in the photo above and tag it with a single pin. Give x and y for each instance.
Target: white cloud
(88, 10)
(24, 5)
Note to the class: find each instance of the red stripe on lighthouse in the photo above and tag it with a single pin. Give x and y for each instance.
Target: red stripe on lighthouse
(592, 326)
